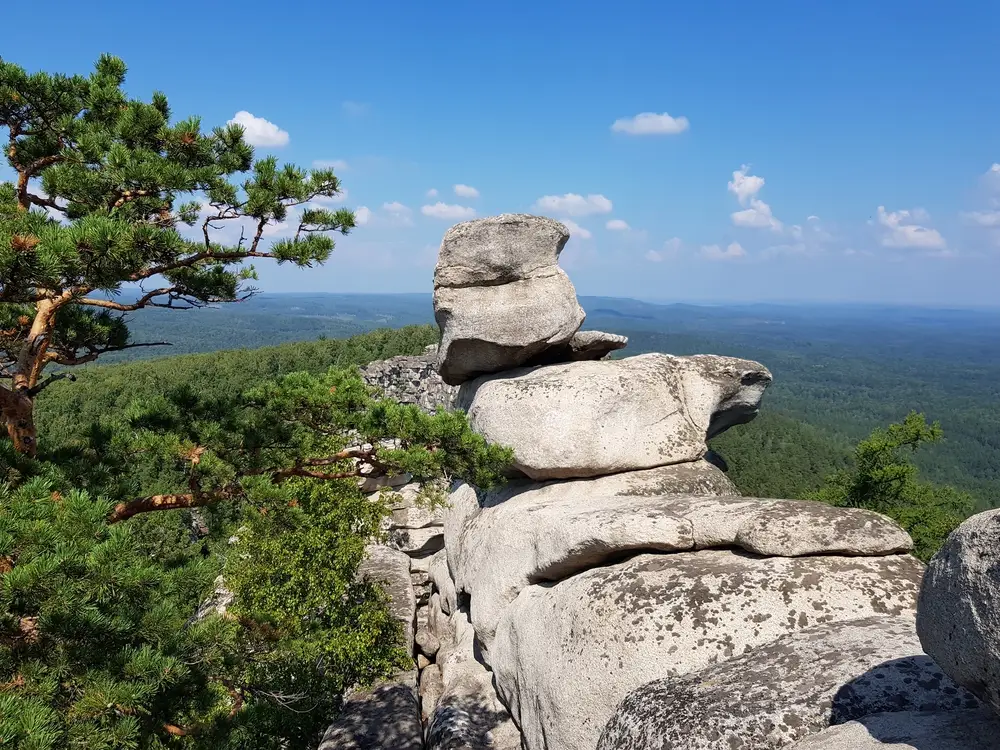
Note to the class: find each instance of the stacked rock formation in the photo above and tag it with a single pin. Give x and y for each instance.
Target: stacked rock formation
(619, 593)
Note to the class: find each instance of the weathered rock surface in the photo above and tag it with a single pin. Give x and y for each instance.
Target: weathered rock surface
(584, 419)
(585, 345)
(565, 654)
(391, 568)
(499, 296)
(911, 730)
(468, 715)
(386, 717)
(443, 582)
(958, 618)
(528, 539)
(411, 380)
(691, 478)
(801, 527)
(787, 689)
(492, 328)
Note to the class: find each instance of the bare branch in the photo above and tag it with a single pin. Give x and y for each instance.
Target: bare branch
(71, 360)
(32, 392)
(137, 305)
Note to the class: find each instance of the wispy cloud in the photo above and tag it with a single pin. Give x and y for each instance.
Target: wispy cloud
(573, 204)
(901, 229)
(445, 211)
(650, 123)
(466, 191)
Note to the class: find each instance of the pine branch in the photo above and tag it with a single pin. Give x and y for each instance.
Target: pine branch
(34, 391)
(126, 510)
(137, 305)
(69, 360)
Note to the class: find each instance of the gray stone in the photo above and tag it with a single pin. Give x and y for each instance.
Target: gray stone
(487, 329)
(442, 580)
(391, 568)
(468, 714)
(531, 538)
(911, 730)
(500, 298)
(585, 345)
(499, 250)
(584, 419)
(431, 687)
(959, 612)
(385, 717)
(411, 380)
(786, 690)
(507, 547)
(217, 603)
(801, 527)
(565, 653)
(691, 478)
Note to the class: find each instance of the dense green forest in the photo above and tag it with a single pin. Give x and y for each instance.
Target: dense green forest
(839, 371)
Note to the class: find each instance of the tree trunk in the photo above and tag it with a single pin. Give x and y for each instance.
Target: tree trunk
(17, 403)
(18, 410)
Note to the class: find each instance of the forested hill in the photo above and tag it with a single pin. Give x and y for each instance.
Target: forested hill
(839, 371)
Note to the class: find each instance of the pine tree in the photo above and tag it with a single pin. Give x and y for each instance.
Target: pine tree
(110, 194)
(885, 479)
(98, 644)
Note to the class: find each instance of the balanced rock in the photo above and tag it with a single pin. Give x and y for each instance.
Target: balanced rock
(958, 617)
(499, 296)
(785, 690)
(911, 730)
(565, 654)
(584, 419)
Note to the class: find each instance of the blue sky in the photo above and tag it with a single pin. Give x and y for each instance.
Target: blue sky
(773, 132)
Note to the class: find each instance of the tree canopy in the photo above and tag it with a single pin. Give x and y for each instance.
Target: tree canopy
(112, 197)
(884, 479)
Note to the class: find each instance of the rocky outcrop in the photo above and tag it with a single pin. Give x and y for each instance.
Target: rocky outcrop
(613, 416)
(566, 654)
(499, 296)
(959, 614)
(787, 689)
(585, 345)
(411, 380)
(391, 569)
(388, 716)
(910, 730)
(619, 593)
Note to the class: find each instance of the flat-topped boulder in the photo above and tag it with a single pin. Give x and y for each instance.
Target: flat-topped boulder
(788, 689)
(533, 539)
(565, 654)
(584, 419)
(500, 297)
(911, 730)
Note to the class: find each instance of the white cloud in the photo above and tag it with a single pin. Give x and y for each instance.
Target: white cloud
(445, 211)
(982, 218)
(758, 216)
(900, 230)
(338, 164)
(362, 215)
(355, 109)
(432, 193)
(258, 131)
(466, 191)
(812, 217)
(576, 230)
(617, 225)
(573, 204)
(398, 213)
(744, 185)
(715, 252)
(650, 123)
(671, 248)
